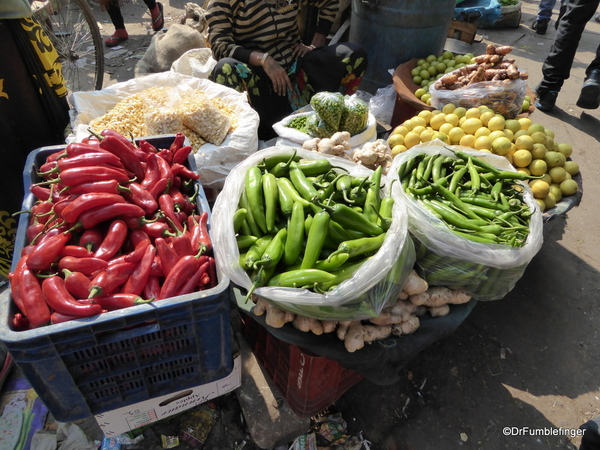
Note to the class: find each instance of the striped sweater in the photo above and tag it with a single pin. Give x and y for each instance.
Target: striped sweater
(238, 27)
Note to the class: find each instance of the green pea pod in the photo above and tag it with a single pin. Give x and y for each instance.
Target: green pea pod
(357, 247)
(271, 194)
(301, 277)
(351, 219)
(300, 182)
(255, 252)
(274, 251)
(244, 203)
(245, 241)
(256, 201)
(315, 239)
(238, 218)
(295, 238)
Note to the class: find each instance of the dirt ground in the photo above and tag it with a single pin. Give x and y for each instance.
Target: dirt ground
(522, 372)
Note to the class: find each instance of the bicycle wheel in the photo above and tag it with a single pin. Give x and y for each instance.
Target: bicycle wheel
(73, 30)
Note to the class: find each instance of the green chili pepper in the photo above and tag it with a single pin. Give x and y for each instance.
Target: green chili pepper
(271, 199)
(509, 175)
(450, 196)
(373, 196)
(256, 202)
(474, 175)
(286, 202)
(272, 161)
(483, 200)
(301, 277)
(295, 238)
(452, 217)
(274, 251)
(281, 169)
(255, 230)
(385, 212)
(260, 278)
(345, 272)
(245, 241)
(302, 185)
(351, 219)
(255, 252)
(307, 224)
(332, 262)
(478, 162)
(358, 195)
(361, 246)
(315, 239)
(238, 218)
(337, 233)
(286, 184)
(343, 185)
(314, 167)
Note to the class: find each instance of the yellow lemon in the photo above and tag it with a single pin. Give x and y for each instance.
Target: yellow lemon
(526, 105)
(501, 146)
(558, 174)
(437, 121)
(471, 125)
(485, 150)
(539, 188)
(486, 116)
(524, 170)
(555, 190)
(525, 122)
(483, 142)
(482, 131)
(401, 130)
(397, 149)
(538, 137)
(509, 134)
(555, 159)
(395, 139)
(512, 125)
(426, 135)
(418, 129)
(453, 119)
(541, 204)
(539, 151)
(513, 149)
(445, 128)
(496, 123)
(568, 187)
(549, 132)
(407, 124)
(456, 134)
(496, 134)
(411, 139)
(535, 127)
(538, 167)
(547, 178)
(571, 167)
(550, 143)
(468, 140)
(420, 92)
(520, 133)
(565, 149)
(473, 113)
(524, 142)
(448, 108)
(522, 158)
(425, 114)
(460, 111)
(550, 201)
(442, 137)
(435, 112)
(418, 122)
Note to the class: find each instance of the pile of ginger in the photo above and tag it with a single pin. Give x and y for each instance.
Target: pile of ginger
(416, 299)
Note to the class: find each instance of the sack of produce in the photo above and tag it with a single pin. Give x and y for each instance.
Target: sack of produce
(354, 116)
(474, 220)
(329, 106)
(317, 127)
(282, 239)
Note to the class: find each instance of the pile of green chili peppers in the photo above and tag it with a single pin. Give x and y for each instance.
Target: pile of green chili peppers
(474, 199)
(303, 223)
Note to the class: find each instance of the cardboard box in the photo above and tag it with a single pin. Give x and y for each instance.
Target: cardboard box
(134, 416)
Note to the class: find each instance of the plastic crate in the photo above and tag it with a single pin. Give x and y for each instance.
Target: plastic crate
(308, 382)
(89, 366)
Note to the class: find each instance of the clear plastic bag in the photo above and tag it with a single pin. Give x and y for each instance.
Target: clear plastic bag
(383, 102)
(503, 97)
(355, 115)
(486, 271)
(329, 106)
(376, 284)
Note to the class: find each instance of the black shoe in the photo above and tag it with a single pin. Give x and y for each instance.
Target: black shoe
(545, 101)
(540, 26)
(590, 91)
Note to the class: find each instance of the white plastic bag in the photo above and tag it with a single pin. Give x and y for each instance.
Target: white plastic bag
(382, 103)
(213, 162)
(197, 62)
(463, 256)
(378, 282)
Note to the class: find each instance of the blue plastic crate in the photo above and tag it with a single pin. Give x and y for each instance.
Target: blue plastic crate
(89, 366)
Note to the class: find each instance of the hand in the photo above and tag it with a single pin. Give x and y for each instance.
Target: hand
(299, 50)
(281, 82)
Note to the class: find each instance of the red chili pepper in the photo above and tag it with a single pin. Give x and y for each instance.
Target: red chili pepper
(109, 280)
(152, 173)
(113, 240)
(15, 282)
(90, 159)
(59, 299)
(86, 265)
(40, 192)
(75, 250)
(91, 140)
(194, 281)
(182, 171)
(128, 156)
(88, 201)
(79, 148)
(165, 202)
(77, 283)
(56, 155)
(94, 216)
(61, 204)
(181, 155)
(57, 317)
(177, 142)
(33, 231)
(147, 147)
(178, 198)
(42, 211)
(212, 273)
(136, 255)
(106, 186)
(142, 197)
(152, 288)
(20, 322)
(35, 307)
(201, 240)
(136, 282)
(47, 169)
(179, 274)
(168, 256)
(42, 257)
(157, 229)
(159, 188)
(166, 154)
(164, 169)
(121, 300)
(182, 244)
(91, 238)
(138, 236)
(88, 174)
(128, 142)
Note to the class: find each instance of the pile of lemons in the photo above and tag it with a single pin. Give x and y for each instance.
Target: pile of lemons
(528, 146)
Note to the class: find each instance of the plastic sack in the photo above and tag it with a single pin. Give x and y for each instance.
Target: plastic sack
(214, 162)
(486, 271)
(503, 97)
(197, 62)
(378, 282)
(354, 116)
(329, 106)
(382, 103)
(317, 127)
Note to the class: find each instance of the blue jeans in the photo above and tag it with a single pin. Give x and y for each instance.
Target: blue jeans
(545, 9)
(557, 66)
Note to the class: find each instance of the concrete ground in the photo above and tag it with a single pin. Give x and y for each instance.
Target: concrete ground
(529, 362)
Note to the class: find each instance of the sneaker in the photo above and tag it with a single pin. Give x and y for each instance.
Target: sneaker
(117, 37)
(540, 26)
(545, 101)
(590, 91)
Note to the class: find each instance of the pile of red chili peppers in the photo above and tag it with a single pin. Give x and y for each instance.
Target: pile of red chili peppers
(115, 224)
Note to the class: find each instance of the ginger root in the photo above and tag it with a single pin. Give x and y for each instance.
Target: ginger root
(414, 284)
(307, 324)
(439, 311)
(275, 317)
(434, 296)
(374, 154)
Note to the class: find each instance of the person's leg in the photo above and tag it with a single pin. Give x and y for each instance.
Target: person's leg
(156, 13)
(591, 435)
(557, 65)
(120, 34)
(589, 98)
(545, 7)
